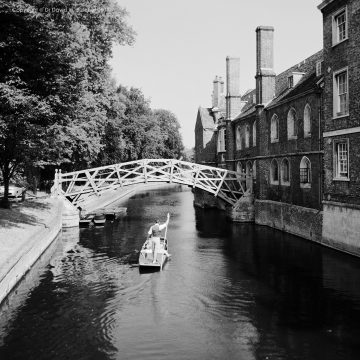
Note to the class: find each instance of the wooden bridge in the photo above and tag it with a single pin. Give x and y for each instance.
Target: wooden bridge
(79, 186)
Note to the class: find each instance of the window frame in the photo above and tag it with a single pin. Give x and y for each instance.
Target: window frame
(285, 182)
(272, 180)
(295, 130)
(305, 185)
(247, 136)
(254, 133)
(335, 26)
(238, 138)
(307, 134)
(336, 172)
(274, 119)
(336, 102)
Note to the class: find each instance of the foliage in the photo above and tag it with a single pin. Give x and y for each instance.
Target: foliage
(58, 103)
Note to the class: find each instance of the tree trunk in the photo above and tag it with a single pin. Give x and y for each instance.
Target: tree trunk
(5, 203)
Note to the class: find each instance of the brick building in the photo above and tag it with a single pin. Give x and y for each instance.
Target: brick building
(298, 133)
(341, 122)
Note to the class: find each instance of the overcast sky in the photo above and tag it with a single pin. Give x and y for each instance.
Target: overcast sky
(182, 44)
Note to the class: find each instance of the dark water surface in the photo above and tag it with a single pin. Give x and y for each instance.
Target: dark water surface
(231, 291)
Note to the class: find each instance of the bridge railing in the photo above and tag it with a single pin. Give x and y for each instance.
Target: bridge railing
(78, 186)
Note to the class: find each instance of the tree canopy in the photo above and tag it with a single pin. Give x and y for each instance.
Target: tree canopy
(59, 105)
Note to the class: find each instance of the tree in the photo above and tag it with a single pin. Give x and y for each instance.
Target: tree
(54, 80)
(170, 128)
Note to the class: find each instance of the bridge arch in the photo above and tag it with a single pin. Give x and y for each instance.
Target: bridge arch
(78, 186)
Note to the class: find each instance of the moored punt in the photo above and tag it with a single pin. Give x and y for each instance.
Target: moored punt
(86, 220)
(113, 213)
(99, 219)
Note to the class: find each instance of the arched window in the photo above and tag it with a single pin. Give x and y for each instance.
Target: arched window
(247, 136)
(305, 172)
(254, 169)
(285, 172)
(307, 121)
(254, 134)
(274, 172)
(274, 129)
(238, 138)
(291, 124)
(239, 167)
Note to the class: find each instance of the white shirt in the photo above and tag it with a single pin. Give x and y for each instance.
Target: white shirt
(161, 227)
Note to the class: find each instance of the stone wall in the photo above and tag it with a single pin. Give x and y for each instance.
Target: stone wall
(204, 199)
(341, 227)
(297, 220)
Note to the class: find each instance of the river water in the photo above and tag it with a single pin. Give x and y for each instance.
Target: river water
(230, 291)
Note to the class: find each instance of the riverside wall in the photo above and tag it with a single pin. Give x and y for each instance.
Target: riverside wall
(20, 260)
(337, 225)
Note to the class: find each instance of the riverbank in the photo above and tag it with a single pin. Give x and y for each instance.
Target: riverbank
(25, 233)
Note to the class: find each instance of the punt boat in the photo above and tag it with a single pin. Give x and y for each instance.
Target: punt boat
(146, 257)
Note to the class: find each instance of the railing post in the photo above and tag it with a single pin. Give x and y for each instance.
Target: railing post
(171, 170)
(144, 170)
(196, 176)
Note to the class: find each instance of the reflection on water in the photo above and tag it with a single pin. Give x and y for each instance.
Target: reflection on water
(235, 291)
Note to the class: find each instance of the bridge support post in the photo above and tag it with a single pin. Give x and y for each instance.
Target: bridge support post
(243, 210)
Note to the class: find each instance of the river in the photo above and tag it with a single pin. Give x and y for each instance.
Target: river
(230, 291)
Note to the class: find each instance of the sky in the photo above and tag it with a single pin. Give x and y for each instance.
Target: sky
(181, 45)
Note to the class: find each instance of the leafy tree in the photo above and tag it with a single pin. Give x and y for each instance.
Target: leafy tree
(54, 80)
(170, 128)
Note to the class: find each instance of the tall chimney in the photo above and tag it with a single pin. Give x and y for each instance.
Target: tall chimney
(265, 75)
(217, 92)
(233, 98)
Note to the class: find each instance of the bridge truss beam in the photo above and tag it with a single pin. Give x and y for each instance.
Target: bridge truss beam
(78, 186)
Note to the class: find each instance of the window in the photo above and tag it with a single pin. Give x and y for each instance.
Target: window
(247, 136)
(238, 138)
(285, 172)
(254, 170)
(290, 82)
(319, 68)
(341, 159)
(254, 133)
(274, 129)
(339, 25)
(305, 173)
(274, 172)
(307, 121)
(221, 140)
(340, 96)
(291, 124)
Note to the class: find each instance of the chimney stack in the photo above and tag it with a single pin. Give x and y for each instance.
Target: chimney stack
(218, 93)
(233, 97)
(265, 75)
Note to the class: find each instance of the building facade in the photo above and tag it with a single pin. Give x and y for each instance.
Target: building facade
(297, 134)
(341, 122)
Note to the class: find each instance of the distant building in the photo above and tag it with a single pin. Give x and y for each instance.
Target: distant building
(297, 134)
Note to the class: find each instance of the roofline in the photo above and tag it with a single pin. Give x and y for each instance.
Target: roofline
(324, 4)
(292, 98)
(299, 63)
